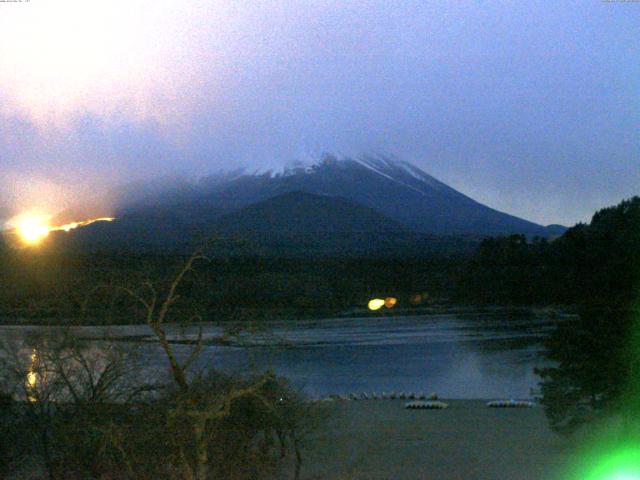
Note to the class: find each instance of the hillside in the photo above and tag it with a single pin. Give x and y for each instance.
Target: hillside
(336, 205)
(397, 189)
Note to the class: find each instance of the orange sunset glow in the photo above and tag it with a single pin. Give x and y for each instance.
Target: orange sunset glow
(33, 229)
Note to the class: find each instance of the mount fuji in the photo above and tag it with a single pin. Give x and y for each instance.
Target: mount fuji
(334, 197)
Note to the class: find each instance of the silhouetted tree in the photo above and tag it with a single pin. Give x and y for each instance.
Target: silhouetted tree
(593, 366)
(597, 363)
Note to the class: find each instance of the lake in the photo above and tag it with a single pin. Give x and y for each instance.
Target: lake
(470, 356)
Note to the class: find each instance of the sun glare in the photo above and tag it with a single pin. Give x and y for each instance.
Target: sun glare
(620, 463)
(31, 230)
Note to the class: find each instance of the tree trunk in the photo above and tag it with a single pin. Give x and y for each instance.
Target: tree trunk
(46, 452)
(298, 459)
(202, 455)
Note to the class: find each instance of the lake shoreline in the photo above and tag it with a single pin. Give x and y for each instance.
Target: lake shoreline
(293, 316)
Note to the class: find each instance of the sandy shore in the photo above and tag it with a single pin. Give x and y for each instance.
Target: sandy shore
(381, 440)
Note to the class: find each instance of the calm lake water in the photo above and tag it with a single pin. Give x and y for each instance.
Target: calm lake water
(457, 356)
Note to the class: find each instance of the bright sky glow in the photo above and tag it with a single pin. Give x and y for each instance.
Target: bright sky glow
(530, 107)
(71, 57)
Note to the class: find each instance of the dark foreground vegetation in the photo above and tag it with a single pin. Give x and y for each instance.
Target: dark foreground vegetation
(595, 268)
(597, 357)
(72, 409)
(108, 422)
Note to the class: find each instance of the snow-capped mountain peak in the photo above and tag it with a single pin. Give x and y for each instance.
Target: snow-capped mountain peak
(392, 169)
(397, 189)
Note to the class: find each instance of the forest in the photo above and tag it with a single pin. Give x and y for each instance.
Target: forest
(594, 264)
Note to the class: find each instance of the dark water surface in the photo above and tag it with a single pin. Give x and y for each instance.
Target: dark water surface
(457, 356)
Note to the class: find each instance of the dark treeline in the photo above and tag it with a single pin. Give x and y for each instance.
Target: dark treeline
(42, 284)
(594, 267)
(595, 264)
(596, 357)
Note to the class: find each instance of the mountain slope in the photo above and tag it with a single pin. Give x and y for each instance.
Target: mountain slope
(396, 189)
(300, 214)
(351, 200)
(298, 223)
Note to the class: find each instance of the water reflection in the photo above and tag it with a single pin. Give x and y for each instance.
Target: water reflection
(482, 356)
(32, 377)
(472, 356)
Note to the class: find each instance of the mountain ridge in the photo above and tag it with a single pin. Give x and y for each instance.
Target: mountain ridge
(363, 199)
(395, 188)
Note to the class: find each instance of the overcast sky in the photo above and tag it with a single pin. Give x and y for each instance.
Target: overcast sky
(532, 107)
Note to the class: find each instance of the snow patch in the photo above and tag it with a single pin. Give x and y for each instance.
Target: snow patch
(397, 171)
(418, 174)
(389, 169)
(368, 165)
(298, 167)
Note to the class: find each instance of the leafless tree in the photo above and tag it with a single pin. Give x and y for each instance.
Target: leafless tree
(56, 375)
(200, 413)
(93, 411)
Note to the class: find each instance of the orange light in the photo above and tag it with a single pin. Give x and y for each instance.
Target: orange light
(33, 229)
(390, 302)
(70, 226)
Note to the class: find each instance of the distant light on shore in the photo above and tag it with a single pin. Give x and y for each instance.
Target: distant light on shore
(390, 302)
(376, 304)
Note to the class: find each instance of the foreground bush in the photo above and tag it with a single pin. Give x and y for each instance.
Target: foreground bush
(88, 410)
